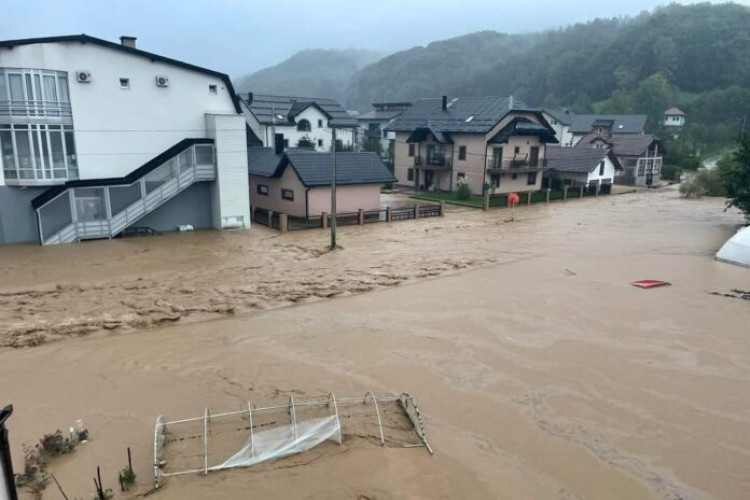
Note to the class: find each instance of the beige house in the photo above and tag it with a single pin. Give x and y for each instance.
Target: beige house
(297, 182)
(497, 144)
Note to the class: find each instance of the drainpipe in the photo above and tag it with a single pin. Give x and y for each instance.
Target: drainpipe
(484, 177)
(307, 205)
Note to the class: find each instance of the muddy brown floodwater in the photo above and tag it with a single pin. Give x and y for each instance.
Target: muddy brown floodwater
(541, 373)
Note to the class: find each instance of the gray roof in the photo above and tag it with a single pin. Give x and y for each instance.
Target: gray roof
(621, 144)
(575, 159)
(314, 169)
(482, 114)
(376, 115)
(623, 124)
(263, 107)
(675, 112)
(562, 115)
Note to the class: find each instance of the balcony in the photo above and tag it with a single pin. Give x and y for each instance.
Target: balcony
(516, 164)
(35, 109)
(433, 162)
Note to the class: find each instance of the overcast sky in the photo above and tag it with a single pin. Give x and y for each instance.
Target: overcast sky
(238, 37)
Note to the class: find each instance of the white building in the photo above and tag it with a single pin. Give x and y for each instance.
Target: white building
(96, 137)
(576, 167)
(560, 120)
(674, 117)
(291, 119)
(373, 123)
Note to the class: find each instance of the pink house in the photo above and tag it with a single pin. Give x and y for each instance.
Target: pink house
(297, 182)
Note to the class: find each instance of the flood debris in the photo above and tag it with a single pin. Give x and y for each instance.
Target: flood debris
(204, 444)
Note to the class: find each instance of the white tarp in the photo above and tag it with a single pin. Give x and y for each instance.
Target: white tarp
(284, 441)
(737, 249)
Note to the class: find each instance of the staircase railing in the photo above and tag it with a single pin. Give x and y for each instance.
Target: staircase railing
(103, 208)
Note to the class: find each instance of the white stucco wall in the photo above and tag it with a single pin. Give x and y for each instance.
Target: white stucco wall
(562, 132)
(608, 175)
(118, 130)
(230, 192)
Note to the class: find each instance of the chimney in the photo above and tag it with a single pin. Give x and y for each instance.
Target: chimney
(445, 103)
(128, 41)
(279, 143)
(249, 98)
(510, 102)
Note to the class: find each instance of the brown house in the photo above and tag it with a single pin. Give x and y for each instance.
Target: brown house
(297, 182)
(496, 143)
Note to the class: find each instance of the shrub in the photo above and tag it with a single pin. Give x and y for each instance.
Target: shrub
(463, 192)
(703, 183)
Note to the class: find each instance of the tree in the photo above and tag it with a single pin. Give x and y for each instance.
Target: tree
(735, 172)
(306, 142)
(374, 145)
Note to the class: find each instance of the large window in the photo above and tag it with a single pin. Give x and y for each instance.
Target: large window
(38, 152)
(287, 194)
(303, 125)
(34, 92)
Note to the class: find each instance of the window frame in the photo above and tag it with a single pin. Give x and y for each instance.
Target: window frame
(411, 150)
(462, 153)
(262, 189)
(213, 89)
(304, 125)
(529, 177)
(287, 194)
(124, 83)
(410, 174)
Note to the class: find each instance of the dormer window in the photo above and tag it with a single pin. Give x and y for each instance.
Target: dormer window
(303, 126)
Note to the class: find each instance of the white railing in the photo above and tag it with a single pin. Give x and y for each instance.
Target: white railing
(80, 228)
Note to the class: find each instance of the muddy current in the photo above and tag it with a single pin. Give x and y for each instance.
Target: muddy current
(540, 371)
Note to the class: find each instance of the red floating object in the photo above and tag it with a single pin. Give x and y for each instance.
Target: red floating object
(649, 283)
(513, 199)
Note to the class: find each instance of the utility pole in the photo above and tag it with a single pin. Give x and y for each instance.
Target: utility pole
(333, 192)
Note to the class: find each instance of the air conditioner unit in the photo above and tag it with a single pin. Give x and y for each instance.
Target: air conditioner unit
(162, 81)
(83, 76)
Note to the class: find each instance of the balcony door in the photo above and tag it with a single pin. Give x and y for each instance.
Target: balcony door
(497, 157)
(534, 156)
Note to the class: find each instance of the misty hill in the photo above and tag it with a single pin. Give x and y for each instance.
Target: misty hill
(316, 72)
(697, 48)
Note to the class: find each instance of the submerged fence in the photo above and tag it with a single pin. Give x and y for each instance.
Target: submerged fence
(286, 222)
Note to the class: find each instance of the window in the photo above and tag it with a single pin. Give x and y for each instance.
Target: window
(531, 178)
(599, 130)
(410, 174)
(462, 152)
(320, 143)
(411, 149)
(320, 123)
(303, 126)
(461, 175)
(287, 194)
(497, 157)
(33, 92)
(514, 176)
(38, 152)
(263, 189)
(495, 181)
(601, 168)
(213, 89)
(286, 143)
(641, 167)
(125, 83)
(516, 150)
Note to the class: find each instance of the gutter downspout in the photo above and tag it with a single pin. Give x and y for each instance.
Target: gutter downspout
(307, 204)
(484, 177)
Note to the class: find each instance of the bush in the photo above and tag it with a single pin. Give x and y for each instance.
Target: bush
(671, 172)
(463, 192)
(703, 183)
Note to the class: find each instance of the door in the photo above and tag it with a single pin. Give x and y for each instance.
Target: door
(534, 156)
(497, 157)
(429, 178)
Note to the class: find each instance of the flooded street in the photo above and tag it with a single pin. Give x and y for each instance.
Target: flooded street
(540, 372)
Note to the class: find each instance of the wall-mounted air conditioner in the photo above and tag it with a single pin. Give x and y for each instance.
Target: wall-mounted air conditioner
(162, 81)
(83, 76)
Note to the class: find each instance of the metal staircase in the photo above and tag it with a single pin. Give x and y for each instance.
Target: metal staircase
(102, 208)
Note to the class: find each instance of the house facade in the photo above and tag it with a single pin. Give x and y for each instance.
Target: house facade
(97, 136)
(297, 182)
(576, 167)
(583, 125)
(674, 118)
(373, 123)
(297, 118)
(494, 143)
(560, 120)
(640, 155)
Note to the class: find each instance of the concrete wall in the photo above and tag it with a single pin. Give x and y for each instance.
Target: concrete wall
(230, 205)
(192, 206)
(274, 201)
(348, 198)
(18, 222)
(118, 130)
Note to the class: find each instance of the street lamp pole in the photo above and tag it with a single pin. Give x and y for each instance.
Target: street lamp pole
(333, 193)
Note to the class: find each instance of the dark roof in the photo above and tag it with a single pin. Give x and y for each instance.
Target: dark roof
(380, 115)
(83, 38)
(482, 114)
(422, 133)
(577, 159)
(622, 124)
(562, 115)
(314, 169)
(675, 112)
(601, 122)
(133, 176)
(621, 144)
(263, 107)
(524, 126)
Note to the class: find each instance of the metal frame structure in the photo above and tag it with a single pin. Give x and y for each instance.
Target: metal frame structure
(406, 401)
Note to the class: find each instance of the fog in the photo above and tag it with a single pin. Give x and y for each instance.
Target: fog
(239, 37)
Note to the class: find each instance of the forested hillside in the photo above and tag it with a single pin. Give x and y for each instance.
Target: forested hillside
(309, 73)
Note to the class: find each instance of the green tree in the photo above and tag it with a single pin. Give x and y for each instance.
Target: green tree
(374, 145)
(735, 173)
(653, 96)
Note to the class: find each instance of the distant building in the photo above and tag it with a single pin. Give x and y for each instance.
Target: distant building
(575, 167)
(674, 118)
(373, 123)
(97, 137)
(582, 125)
(297, 182)
(496, 143)
(560, 120)
(296, 118)
(640, 155)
